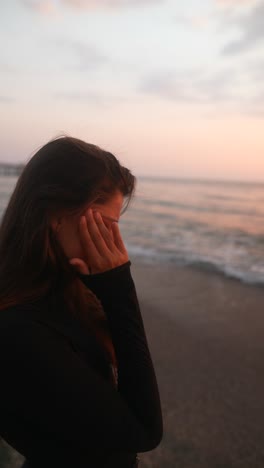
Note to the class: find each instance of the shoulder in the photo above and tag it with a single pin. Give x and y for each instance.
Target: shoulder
(11, 318)
(29, 348)
(20, 328)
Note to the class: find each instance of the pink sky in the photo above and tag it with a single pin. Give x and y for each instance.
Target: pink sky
(172, 90)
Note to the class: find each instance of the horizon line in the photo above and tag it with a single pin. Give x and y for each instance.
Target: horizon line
(200, 179)
(165, 177)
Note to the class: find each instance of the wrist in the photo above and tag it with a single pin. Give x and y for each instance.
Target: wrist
(111, 282)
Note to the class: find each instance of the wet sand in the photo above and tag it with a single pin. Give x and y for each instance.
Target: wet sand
(206, 336)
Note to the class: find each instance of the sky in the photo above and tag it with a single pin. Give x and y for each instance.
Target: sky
(173, 89)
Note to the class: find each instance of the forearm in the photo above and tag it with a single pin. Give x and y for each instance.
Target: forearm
(137, 381)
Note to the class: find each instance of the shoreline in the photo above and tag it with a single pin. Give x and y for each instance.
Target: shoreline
(203, 267)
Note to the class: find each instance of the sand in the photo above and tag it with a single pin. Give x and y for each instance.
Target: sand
(206, 336)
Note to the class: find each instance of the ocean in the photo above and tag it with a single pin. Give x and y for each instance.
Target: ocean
(212, 225)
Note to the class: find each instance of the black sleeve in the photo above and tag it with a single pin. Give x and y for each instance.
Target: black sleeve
(136, 376)
(47, 384)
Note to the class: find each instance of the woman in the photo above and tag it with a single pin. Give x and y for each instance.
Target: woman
(78, 385)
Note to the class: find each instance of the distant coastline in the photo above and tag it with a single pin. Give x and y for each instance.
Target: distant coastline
(9, 169)
(200, 180)
(15, 169)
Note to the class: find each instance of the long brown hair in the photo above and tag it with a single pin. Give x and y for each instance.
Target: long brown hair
(64, 175)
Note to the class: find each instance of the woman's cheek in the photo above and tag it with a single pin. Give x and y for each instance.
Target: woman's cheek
(77, 245)
(70, 239)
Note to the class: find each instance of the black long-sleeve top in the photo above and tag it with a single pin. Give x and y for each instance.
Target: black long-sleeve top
(58, 408)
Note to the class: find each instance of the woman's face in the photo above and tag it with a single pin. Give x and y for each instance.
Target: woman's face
(67, 230)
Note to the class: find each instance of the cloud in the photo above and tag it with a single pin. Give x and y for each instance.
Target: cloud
(52, 6)
(235, 2)
(193, 86)
(44, 7)
(88, 56)
(251, 25)
(255, 104)
(226, 88)
(92, 98)
(256, 70)
(7, 99)
(7, 68)
(199, 21)
(108, 3)
(169, 86)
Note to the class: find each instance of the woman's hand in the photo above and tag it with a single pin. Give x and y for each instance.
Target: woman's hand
(103, 248)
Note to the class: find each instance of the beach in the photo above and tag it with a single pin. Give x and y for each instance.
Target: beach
(205, 333)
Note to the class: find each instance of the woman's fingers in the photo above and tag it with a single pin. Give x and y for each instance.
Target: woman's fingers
(95, 233)
(106, 233)
(86, 239)
(103, 246)
(113, 240)
(80, 266)
(118, 239)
